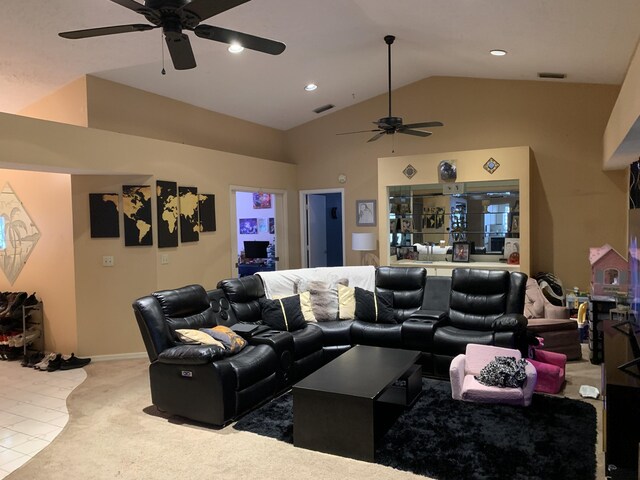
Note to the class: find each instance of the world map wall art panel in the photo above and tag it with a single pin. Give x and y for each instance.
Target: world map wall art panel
(189, 228)
(136, 205)
(103, 215)
(167, 213)
(207, 207)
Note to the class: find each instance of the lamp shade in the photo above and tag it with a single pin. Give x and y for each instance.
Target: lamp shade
(363, 241)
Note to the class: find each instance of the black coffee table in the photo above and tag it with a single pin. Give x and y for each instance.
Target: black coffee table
(343, 407)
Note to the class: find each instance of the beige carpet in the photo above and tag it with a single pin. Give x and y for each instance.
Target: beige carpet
(114, 432)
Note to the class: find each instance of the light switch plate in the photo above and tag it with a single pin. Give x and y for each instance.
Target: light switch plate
(164, 259)
(108, 261)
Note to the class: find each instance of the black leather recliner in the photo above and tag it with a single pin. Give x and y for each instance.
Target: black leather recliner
(407, 287)
(485, 307)
(299, 352)
(200, 382)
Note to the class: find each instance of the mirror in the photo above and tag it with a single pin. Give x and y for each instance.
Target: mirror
(481, 213)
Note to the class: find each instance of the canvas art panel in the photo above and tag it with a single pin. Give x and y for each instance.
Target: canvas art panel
(103, 215)
(167, 213)
(207, 212)
(189, 227)
(136, 207)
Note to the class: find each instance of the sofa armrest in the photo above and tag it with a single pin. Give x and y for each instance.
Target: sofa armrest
(511, 322)
(435, 315)
(556, 312)
(456, 375)
(191, 354)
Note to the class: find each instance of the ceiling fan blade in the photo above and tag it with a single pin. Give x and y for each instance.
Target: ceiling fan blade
(416, 133)
(359, 131)
(424, 125)
(204, 9)
(376, 137)
(131, 5)
(181, 52)
(247, 41)
(100, 31)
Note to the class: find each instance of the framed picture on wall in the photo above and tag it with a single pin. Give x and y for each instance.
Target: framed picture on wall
(365, 213)
(514, 224)
(261, 200)
(248, 226)
(461, 251)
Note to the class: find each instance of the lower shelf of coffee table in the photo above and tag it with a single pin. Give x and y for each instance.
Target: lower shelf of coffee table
(406, 390)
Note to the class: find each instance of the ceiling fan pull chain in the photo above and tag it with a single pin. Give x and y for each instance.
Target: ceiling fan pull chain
(163, 71)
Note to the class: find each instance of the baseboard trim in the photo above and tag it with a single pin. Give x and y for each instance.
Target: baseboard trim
(119, 356)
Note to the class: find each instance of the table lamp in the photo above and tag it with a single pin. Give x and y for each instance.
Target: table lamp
(365, 242)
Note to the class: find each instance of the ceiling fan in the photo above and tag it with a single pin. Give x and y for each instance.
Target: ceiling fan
(174, 16)
(390, 125)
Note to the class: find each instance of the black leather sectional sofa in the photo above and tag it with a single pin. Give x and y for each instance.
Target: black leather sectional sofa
(437, 316)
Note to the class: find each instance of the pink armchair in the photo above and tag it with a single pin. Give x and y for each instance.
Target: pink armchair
(465, 387)
(552, 323)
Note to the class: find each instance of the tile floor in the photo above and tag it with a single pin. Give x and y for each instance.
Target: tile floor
(33, 410)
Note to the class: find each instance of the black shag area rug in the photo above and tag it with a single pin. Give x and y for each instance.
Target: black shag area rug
(554, 438)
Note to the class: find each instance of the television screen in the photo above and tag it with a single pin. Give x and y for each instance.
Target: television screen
(256, 249)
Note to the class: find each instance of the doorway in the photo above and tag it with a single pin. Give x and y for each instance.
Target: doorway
(258, 239)
(322, 228)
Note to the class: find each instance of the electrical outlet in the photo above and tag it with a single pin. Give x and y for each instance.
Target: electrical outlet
(164, 259)
(108, 261)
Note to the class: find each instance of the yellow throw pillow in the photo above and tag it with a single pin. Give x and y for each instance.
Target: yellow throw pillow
(307, 307)
(346, 302)
(188, 335)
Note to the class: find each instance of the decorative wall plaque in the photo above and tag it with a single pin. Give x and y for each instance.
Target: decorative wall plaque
(409, 171)
(491, 165)
(18, 234)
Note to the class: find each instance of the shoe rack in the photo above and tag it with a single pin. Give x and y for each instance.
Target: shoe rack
(32, 323)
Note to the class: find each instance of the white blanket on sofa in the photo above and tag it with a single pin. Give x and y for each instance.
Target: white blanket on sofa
(282, 283)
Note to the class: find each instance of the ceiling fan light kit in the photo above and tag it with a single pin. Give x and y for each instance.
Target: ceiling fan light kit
(174, 16)
(390, 125)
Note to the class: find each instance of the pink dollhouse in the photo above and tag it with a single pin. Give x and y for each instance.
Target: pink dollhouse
(609, 271)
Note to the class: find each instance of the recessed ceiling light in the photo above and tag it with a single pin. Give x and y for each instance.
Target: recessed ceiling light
(498, 53)
(310, 87)
(235, 48)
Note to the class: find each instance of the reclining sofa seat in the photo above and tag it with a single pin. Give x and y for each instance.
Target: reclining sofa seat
(485, 307)
(406, 285)
(299, 352)
(200, 382)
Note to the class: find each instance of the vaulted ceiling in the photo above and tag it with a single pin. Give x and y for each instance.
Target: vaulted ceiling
(337, 44)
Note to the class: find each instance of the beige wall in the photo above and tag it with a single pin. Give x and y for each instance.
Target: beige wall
(66, 105)
(105, 322)
(574, 204)
(49, 271)
(119, 108)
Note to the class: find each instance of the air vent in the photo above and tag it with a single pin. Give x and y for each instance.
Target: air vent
(323, 108)
(552, 75)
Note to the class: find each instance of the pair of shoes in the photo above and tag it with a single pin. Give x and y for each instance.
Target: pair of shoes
(31, 359)
(74, 362)
(55, 363)
(42, 365)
